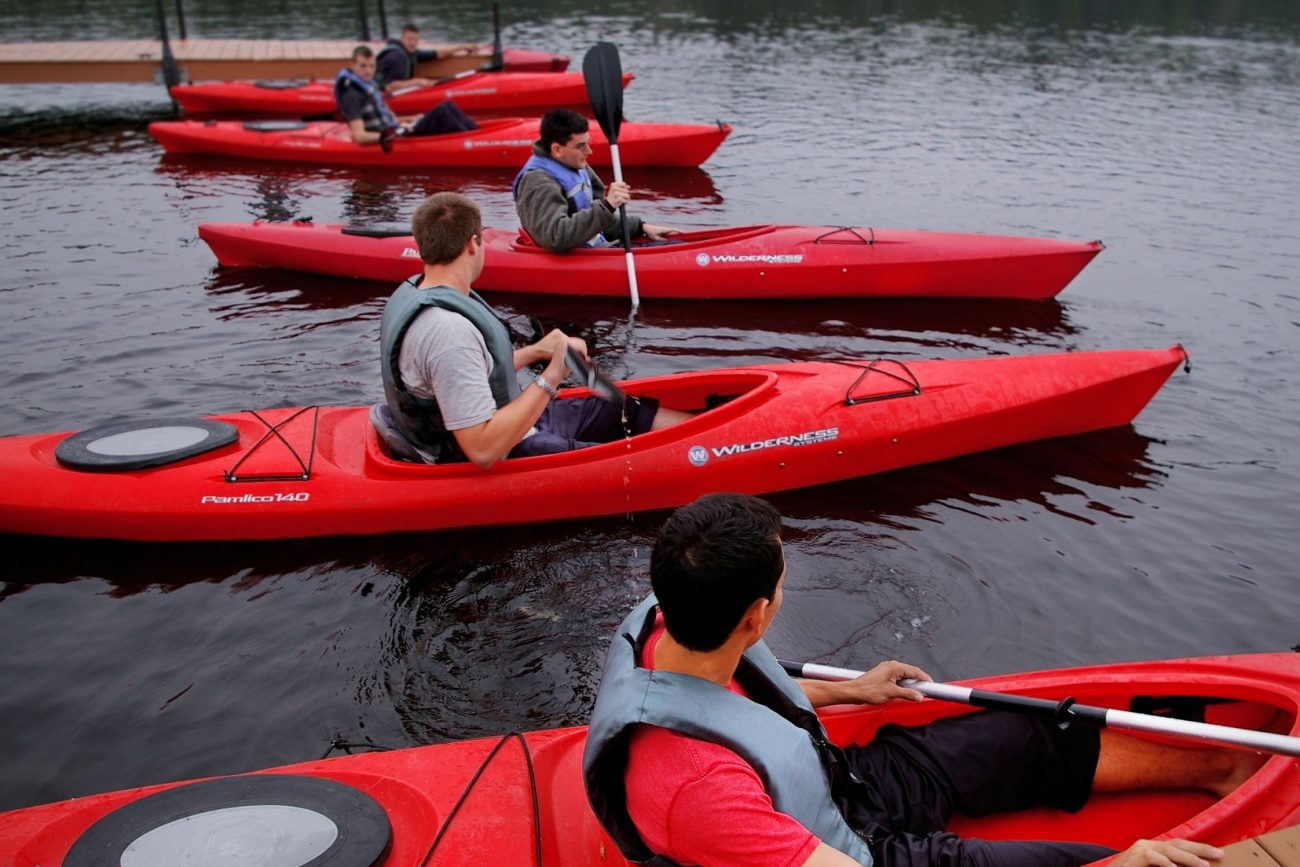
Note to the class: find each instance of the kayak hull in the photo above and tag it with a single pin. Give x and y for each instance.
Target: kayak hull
(324, 472)
(744, 262)
(473, 92)
(500, 143)
(418, 787)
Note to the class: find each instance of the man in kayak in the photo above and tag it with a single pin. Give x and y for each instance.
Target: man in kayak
(449, 366)
(676, 760)
(400, 57)
(561, 202)
(361, 102)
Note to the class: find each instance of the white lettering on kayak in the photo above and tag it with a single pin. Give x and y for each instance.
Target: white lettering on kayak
(300, 497)
(699, 456)
(496, 143)
(467, 91)
(410, 253)
(761, 258)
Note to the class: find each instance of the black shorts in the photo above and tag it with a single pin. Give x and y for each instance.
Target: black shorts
(581, 422)
(975, 764)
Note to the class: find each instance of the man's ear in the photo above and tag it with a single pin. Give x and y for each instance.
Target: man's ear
(755, 614)
(555, 150)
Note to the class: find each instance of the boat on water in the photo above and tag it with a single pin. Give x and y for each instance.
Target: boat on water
(319, 471)
(473, 91)
(501, 142)
(734, 262)
(519, 800)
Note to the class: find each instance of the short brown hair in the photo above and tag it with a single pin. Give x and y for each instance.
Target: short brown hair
(443, 225)
(362, 51)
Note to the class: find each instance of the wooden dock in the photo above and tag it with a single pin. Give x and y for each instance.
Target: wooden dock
(198, 60)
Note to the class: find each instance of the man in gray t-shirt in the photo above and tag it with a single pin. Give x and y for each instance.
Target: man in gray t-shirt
(450, 367)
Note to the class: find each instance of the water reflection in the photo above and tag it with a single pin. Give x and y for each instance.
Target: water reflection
(1059, 476)
(404, 188)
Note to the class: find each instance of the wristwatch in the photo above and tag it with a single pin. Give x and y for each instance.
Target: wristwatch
(546, 386)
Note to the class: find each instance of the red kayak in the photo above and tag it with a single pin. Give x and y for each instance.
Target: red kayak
(528, 805)
(473, 91)
(506, 142)
(319, 471)
(746, 262)
(530, 60)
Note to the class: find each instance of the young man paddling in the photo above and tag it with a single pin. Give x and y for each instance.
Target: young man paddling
(561, 203)
(361, 103)
(703, 751)
(449, 367)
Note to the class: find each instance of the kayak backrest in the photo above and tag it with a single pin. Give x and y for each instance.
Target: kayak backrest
(379, 230)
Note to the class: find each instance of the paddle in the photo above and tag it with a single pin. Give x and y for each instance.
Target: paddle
(1067, 711)
(603, 73)
(588, 375)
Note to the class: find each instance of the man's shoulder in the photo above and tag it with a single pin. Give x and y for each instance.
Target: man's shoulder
(659, 751)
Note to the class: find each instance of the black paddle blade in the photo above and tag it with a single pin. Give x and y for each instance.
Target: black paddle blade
(604, 77)
(588, 375)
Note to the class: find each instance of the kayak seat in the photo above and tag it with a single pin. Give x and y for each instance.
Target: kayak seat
(379, 230)
(381, 419)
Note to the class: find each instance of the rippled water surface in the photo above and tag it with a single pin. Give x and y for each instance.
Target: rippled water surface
(1169, 132)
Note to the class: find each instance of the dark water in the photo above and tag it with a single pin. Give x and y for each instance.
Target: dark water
(1169, 130)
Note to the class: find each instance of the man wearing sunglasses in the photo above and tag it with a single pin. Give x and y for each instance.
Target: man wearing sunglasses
(562, 204)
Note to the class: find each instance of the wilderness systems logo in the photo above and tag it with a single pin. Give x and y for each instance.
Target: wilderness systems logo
(470, 144)
(703, 259)
(699, 455)
(242, 499)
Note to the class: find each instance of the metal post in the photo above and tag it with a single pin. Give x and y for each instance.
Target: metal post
(365, 21)
(498, 56)
(171, 74)
(383, 20)
(180, 18)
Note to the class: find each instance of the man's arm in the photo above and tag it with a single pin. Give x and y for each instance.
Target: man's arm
(544, 214)
(361, 135)
(876, 686)
(486, 443)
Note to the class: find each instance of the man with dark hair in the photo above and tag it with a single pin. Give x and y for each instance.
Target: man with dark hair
(361, 103)
(401, 56)
(703, 751)
(561, 202)
(449, 365)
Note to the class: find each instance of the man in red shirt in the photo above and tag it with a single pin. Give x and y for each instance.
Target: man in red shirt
(702, 751)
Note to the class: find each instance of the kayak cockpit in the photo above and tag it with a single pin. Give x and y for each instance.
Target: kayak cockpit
(1117, 819)
(522, 243)
(715, 397)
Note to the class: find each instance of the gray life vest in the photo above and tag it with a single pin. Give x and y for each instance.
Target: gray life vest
(418, 418)
(776, 731)
(576, 184)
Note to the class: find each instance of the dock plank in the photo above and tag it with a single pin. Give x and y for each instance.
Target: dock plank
(199, 60)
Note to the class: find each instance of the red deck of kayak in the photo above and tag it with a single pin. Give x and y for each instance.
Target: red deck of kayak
(779, 427)
(744, 262)
(505, 142)
(418, 787)
(473, 91)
